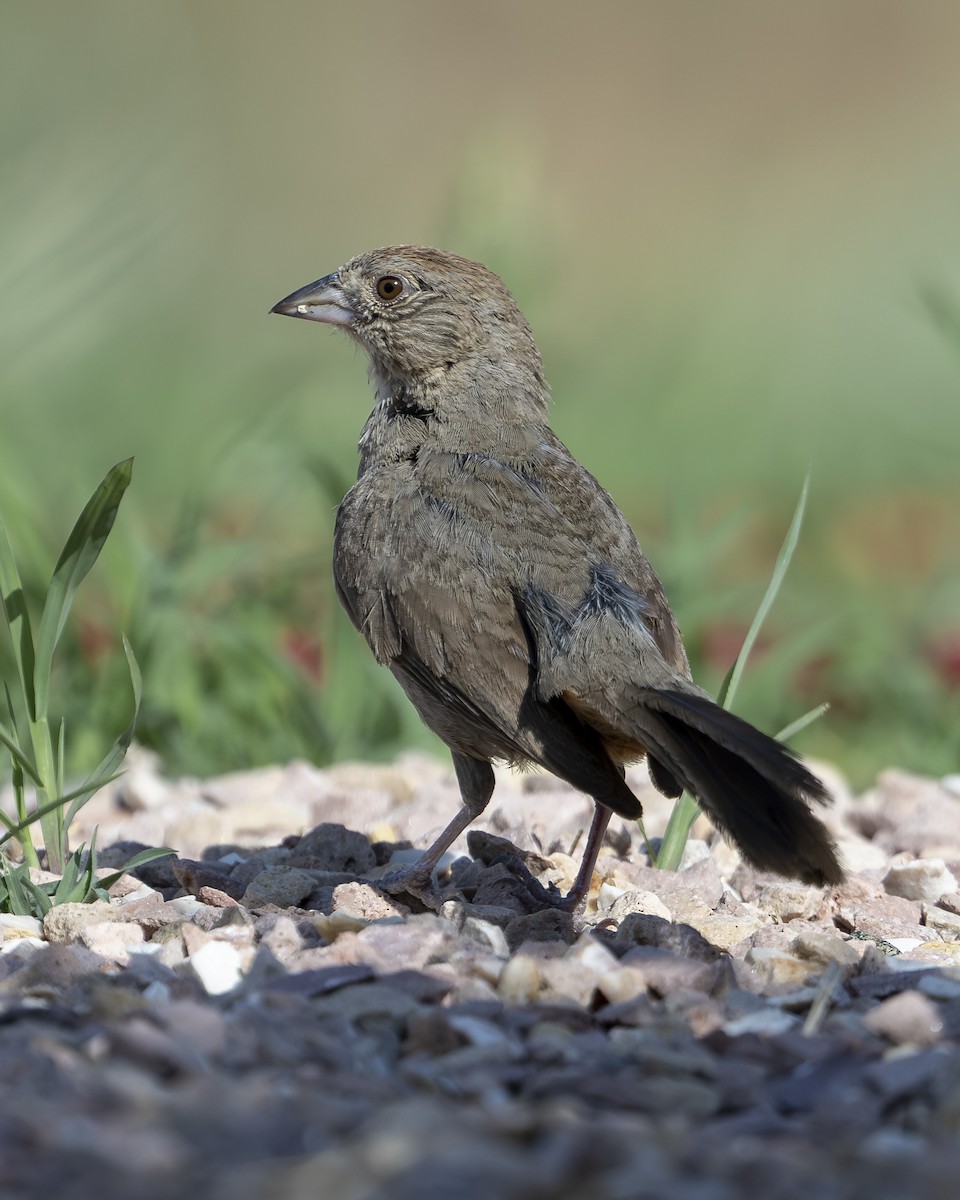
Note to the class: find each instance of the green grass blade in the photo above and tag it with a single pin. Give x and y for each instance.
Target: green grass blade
(8, 738)
(81, 551)
(67, 886)
(808, 718)
(20, 896)
(107, 768)
(732, 682)
(684, 813)
(141, 857)
(18, 620)
(686, 809)
(61, 756)
(37, 815)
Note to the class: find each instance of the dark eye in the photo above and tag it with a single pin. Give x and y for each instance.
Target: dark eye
(389, 287)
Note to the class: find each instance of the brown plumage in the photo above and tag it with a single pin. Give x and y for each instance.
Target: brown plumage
(503, 587)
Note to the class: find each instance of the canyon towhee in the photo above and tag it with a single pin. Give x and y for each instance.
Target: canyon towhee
(505, 590)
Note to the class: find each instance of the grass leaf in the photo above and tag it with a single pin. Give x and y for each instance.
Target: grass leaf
(730, 684)
(81, 551)
(8, 738)
(808, 718)
(138, 859)
(686, 810)
(106, 770)
(18, 619)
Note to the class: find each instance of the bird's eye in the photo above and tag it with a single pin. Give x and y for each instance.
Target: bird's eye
(389, 287)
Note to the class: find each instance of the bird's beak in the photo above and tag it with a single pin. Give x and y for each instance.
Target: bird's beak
(323, 300)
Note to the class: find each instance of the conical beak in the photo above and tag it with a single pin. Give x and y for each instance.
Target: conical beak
(320, 301)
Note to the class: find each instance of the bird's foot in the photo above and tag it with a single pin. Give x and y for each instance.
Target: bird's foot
(411, 884)
(544, 895)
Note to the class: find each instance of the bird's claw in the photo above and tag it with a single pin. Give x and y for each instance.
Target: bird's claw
(412, 884)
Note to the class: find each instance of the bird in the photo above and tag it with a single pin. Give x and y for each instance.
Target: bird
(506, 591)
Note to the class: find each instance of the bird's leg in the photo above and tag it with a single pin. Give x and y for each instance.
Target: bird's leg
(476, 780)
(581, 885)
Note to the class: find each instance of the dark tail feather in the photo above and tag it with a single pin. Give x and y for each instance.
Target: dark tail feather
(751, 786)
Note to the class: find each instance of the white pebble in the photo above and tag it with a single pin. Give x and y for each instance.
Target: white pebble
(519, 980)
(765, 1023)
(13, 927)
(925, 879)
(217, 966)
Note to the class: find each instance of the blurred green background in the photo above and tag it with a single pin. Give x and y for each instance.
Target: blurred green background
(735, 229)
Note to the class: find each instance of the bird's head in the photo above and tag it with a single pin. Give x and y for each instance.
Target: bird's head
(417, 311)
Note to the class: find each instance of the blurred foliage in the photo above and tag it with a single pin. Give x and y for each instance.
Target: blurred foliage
(726, 291)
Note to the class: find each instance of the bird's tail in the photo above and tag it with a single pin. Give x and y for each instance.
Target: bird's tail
(751, 786)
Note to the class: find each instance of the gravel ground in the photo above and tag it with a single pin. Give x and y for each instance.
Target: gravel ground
(255, 1019)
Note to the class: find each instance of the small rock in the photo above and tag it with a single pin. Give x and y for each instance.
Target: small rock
(592, 954)
(284, 887)
(193, 937)
(366, 902)
(644, 929)
(320, 981)
(397, 945)
(857, 854)
(490, 936)
(457, 911)
(548, 925)
(725, 930)
(51, 964)
(489, 849)
(824, 948)
(330, 926)
(142, 786)
(695, 851)
(885, 916)
(907, 1018)
(195, 877)
(502, 887)
(625, 904)
(218, 967)
(150, 912)
(367, 1001)
(520, 980)
(112, 939)
(216, 898)
(477, 1032)
(776, 967)
(333, 848)
(13, 927)
(925, 879)
(903, 1075)
(127, 887)
(766, 1022)
(281, 937)
(429, 1032)
(622, 985)
(666, 972)
(945, 922)
(939, 986)
(65, 922)
(567, 979)
(790, 901)
(199, 1026)
(904, 944)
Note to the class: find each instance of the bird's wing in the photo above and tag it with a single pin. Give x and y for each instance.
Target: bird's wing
(436, 606)
(442, 604)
